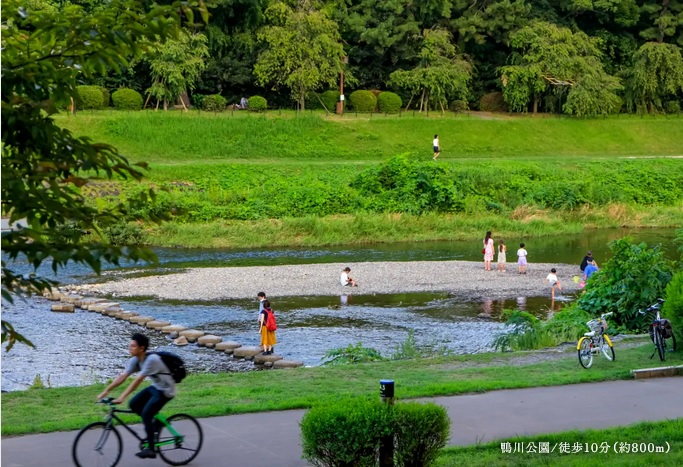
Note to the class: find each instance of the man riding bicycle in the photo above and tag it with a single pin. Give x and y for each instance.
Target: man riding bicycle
(148, 402)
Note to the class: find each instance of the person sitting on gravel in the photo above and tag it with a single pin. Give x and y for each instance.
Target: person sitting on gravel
(591, 267)
(346, 279)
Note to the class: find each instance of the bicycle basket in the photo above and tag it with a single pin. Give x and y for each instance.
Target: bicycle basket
(597, 325)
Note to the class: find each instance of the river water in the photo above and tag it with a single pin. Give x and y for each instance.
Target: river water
(84, 348)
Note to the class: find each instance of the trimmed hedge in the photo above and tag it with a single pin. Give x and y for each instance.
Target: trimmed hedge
(458, 106)
(345, 433)
(127, 99)
(214, 103)
(673, 107)
(363, 101)
(330, 99)
(389, 102)
(257, 104)
(493, 102)
(89, 97)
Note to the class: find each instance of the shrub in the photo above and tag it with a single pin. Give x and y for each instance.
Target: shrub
(389, 102)
(214, 103)
(125, 234)
(363, 101)
(673, 308)
(89, 97)
(344, 433)
(127, 99)
(632, 279)
(420, 432)
(106, 97)
(348, 433)
(197, 100)
(459, 106)
(352, 354)
(493, 102)
(257, 104)
(673, 107)
(330, 99)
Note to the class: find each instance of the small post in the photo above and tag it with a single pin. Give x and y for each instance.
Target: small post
(386, 444)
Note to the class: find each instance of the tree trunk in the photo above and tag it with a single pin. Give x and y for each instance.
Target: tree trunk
(536, 104)
(302, 102)
(665, 10)
(157, 106)
(149, 96)
(410, 101)
(422, 99)
(165, 105)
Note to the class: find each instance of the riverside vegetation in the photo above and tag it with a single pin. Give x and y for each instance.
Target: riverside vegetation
(249, 181)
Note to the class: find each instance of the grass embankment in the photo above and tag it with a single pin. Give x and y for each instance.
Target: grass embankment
(45, 410)
(250, 181)
(596, 447)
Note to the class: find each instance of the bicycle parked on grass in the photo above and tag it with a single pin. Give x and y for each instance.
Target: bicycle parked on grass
(660, 331)
(595, 341)
(178, 439)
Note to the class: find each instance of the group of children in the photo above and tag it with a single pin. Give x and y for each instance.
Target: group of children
(502, 256)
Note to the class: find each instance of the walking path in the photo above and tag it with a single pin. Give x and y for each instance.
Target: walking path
(272, 439)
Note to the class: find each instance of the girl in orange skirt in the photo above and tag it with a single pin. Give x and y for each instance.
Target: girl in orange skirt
(268, 339)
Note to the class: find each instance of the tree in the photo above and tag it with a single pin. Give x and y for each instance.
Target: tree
(545, 55)
(667, 20)
(176, 65)
(43, 165)
(441, 73)
(303, 48)
(657, 74)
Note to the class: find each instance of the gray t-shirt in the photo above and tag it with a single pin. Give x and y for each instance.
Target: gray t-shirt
(156, 370)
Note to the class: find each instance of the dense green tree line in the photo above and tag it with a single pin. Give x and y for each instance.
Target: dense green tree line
(581, 57)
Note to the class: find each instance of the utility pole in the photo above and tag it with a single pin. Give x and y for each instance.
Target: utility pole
(340, 102)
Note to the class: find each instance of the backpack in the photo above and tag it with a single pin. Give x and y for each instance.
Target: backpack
(271, 324)
(175, 365)
(665, 327)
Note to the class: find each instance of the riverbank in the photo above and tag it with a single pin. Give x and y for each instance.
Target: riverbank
(465, 279)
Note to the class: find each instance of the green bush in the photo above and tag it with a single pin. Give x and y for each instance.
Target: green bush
(348, 433)
(459, 106)
(127, 99)
(363, 101)
(631, 280)
(673, 308)
(197, 100)
(125, 234)
(330, 99)
(344, 433)
(352, 354)
(420, 432)
(257, 104)
(106, 97)
(214, 103)
(389, 102)
(89, 97)
(673, 107)
(493, 102)
(313, 101)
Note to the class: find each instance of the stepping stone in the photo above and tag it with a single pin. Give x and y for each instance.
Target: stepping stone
(141, 319)
(209, 339)
(65, 308)
(71, 299)
(54, 295)
(260, 359)
(227, 346)
(191, 334)
(113, 311)
(127, 315)
(86, 302)
(157, 324)
(246, 352)
(173, 328)
(287, 364)
(182, 340)
(102, 307)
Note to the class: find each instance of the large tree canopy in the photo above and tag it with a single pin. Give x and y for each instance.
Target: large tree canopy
(43, 56)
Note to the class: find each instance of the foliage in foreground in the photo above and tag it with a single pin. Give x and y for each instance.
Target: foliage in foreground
(43, 164)
(673, 308)
(630, 281)
(348, 432)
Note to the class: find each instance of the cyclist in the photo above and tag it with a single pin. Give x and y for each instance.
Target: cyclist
(148, 402)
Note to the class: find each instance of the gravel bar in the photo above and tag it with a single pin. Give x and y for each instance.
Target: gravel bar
(466, 279)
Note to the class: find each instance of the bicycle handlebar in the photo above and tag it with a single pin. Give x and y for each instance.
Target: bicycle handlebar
(606, 315)
(106, 400)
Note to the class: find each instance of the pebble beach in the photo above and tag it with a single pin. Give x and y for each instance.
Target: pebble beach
(466, 279)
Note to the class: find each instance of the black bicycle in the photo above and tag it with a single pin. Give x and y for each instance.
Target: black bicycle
(660, 331)
(178, 439)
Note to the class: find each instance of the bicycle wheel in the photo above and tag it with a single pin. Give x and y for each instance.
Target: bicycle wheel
(180, 450)
(585, 352)
(98, 444)
(607, 350)
(659, 344)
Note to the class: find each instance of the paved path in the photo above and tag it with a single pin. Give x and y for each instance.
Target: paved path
(272, 439)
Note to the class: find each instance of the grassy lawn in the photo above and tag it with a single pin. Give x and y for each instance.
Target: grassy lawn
(204, 138)
(223, 394)
(577, 448)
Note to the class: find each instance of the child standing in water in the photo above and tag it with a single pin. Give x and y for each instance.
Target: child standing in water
(521, 259)
(554, 281)
(502, 256)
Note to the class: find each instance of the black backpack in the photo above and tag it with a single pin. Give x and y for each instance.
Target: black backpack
(175, 365)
